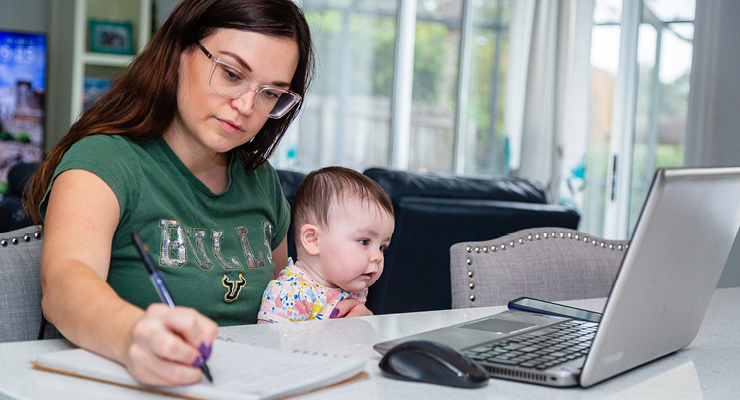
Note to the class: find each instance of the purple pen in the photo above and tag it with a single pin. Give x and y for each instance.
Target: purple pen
(160, 284)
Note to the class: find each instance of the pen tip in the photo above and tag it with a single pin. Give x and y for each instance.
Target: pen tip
(207, 372)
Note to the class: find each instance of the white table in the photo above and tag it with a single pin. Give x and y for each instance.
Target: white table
(707, 369)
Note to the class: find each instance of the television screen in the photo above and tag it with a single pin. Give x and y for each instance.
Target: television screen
(22, 90)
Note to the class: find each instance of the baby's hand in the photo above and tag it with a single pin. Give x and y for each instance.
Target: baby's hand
(350, 308)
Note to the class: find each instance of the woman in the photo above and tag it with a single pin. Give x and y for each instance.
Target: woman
(177, 151)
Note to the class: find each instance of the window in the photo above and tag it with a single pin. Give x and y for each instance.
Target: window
(605, 42)
(348, 114)
(486, 146)
(664, 53)
(434, 98)
(655, 137)
(422, 85)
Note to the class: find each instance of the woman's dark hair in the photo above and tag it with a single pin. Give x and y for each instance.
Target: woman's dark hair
(142, 102)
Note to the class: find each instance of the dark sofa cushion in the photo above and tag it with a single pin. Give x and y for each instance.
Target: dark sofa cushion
(433, 212)
(399, 184)
(12, 215)
(290, 181)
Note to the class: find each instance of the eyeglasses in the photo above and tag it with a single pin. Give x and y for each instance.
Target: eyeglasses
(231, 81)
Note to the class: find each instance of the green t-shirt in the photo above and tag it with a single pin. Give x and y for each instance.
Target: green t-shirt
(214, 249)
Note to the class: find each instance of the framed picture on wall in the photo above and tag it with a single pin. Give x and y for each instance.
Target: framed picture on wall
(111, 37)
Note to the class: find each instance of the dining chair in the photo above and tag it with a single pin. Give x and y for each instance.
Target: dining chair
(20, 287)
(551, 264)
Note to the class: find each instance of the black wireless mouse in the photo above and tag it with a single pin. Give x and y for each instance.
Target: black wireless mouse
(431, 362)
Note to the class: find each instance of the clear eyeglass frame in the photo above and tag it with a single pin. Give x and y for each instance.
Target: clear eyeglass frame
(262, 91)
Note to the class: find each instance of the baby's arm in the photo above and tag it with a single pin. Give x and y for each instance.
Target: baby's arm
(270, 303)
(354, 306)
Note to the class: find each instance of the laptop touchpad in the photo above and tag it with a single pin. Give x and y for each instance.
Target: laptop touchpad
(497, 325)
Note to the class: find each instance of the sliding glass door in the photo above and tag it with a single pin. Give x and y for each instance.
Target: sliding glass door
(641, 62)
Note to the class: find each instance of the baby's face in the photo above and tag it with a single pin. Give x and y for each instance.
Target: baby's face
(351, 248)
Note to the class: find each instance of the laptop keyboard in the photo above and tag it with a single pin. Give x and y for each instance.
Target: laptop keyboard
(540, 349)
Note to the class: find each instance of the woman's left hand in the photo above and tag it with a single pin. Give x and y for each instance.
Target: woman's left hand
(350, 308)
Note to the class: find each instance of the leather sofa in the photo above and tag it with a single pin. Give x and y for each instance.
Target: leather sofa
(12, 215)
(289, 181)
(435, 211)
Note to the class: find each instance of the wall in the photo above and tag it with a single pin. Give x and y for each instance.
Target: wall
(24, 15)
(33, 15)
(713, 122)
(164, 8)
(713, 137)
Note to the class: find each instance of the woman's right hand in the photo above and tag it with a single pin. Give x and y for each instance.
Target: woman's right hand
(157, 346)
(168, 345)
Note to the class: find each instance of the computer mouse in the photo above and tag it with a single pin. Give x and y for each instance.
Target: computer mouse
(432, 362)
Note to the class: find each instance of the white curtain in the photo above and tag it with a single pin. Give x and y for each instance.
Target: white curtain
(548, 93)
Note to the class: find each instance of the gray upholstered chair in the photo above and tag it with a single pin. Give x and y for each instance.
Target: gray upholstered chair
(552, 264)
(20, 286)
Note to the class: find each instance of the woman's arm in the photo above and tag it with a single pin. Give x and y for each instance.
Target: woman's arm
(81, 218)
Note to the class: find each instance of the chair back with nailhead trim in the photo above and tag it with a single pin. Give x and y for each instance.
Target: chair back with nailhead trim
(20, 286)
(551, 264)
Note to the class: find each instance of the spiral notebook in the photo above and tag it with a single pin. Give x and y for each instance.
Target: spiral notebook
(239, 371)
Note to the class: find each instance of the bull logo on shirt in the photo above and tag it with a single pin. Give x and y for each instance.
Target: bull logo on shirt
(234, 287)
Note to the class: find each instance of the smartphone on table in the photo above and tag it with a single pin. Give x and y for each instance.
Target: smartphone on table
(548, 308)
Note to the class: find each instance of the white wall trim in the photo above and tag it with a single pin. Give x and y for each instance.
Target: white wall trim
(403, 85)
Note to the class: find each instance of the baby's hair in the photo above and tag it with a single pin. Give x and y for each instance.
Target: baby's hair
(325, 187)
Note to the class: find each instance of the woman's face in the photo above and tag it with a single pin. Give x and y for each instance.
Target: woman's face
(210, 123)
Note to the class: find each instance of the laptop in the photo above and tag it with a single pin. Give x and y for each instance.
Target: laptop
(676, 255)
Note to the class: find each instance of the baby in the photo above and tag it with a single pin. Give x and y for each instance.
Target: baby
(343, 223)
